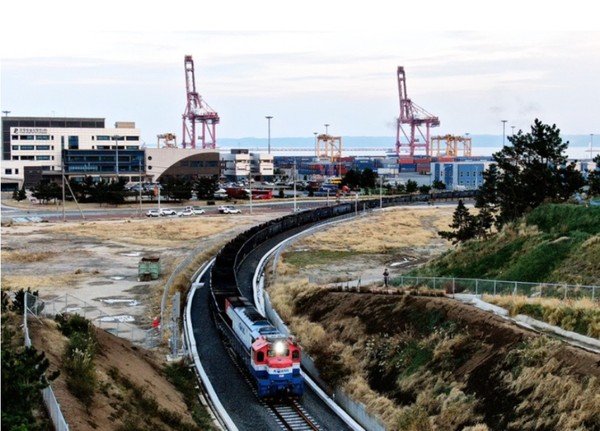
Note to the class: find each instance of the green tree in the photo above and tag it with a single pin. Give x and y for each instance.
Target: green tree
(411, 186)
(45, 191)
(463, 223)
(368, 178)
(438, 185)
(352, 179)
(205, 187)
(177, 189)
(593, 179)
(531, 170)
(25, 372)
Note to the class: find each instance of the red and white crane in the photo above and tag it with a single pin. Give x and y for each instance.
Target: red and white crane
(197, 111)
(415, 118)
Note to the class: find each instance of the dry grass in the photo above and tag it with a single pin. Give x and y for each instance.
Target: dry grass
(582, 314)
(151, 232)
(27, 257)
(43, 283)
(381, 232)
(560, 401)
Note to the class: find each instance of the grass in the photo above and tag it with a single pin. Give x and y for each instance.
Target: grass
(581, 316)
(554, 244)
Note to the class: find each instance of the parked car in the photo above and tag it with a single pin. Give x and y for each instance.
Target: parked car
(229, 209)
(153, 213)
(168, 212)
(190, 211)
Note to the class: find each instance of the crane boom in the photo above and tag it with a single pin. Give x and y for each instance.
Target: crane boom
(414, 116)
(197, 111)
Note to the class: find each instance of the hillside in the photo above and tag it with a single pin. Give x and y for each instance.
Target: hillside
(557, 243)
(424, 363)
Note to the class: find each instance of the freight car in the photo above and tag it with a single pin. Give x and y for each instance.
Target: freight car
(271, 358)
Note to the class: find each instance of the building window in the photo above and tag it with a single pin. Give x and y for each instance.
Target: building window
(8, 171)
(26, 137)
(132, 138)
(42, 157)
(27, 147)
(42, 138)
(42, 147)
(27, 158)
(103, 138)
(15, 147)
(73, 142)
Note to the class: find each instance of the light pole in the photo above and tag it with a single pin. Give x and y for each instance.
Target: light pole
(503, 131)
(116, 139)
(6, 113)
(316, 146)
(268, 117)
(250, 184)
(294, 179)
(381, 192)
(513, 130)
(326, 127)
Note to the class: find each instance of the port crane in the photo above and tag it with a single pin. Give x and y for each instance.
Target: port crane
(197, 111)
(416, 119)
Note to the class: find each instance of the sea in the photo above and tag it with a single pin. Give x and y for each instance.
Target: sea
(580, 147)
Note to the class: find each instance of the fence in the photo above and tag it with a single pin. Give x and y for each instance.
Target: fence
(501, 287)
(115, 324)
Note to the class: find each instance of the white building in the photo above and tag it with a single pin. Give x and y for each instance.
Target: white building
(239, 165)
(31, 145)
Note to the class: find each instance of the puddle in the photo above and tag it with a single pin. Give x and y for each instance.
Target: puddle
(123, 318)
(130, 302)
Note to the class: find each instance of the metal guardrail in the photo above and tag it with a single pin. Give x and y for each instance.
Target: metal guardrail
(501, 287)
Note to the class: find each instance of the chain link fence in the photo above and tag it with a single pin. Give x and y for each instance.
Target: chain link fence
(501, 287)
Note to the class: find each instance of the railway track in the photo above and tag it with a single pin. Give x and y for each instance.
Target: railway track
(291, 416)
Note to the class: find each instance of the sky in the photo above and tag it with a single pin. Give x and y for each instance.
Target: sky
(305, 64)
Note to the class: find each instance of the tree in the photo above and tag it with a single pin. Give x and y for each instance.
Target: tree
(205, 187)
(594, 178)
(24, 374)
(368, 178)
(463, 223)
(438, 185)
(352, 179)
(411, 186)
(530, 171)
(19, 195)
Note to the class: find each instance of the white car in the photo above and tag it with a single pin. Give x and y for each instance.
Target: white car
(168, 212)
(190, 211)
(228, 209)
(153, 213)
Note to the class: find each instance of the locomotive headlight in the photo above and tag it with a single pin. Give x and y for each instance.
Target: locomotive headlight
(279, 347)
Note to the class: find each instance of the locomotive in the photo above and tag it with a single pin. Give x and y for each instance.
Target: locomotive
(271, 357)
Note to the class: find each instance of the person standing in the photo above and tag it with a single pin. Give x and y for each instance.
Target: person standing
(386, 277)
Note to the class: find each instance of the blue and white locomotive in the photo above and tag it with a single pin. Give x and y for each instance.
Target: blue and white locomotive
(272, 358)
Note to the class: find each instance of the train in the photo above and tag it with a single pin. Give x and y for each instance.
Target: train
(271, 358)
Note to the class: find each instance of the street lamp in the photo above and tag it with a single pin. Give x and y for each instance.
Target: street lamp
(503, 131)
(380, 191)
(116, 138)
(326, 126)
(294, 179)
(268, 117)
(513, 130)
